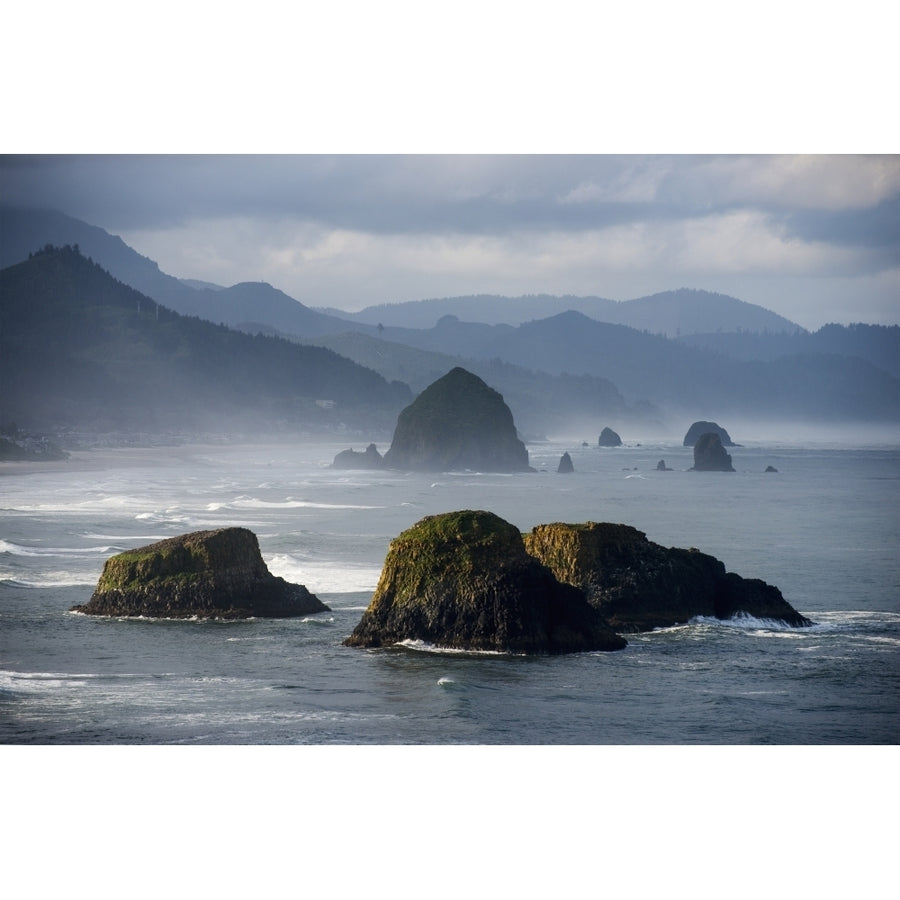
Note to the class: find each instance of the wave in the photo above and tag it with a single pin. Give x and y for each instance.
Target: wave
(50, 580)
(746, 622)
(426, 647)
(288, 503)
(18, 550)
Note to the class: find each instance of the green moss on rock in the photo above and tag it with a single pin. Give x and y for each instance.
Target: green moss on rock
(463, 580)
(638, 585)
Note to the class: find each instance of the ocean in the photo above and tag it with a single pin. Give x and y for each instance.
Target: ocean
(824, 528)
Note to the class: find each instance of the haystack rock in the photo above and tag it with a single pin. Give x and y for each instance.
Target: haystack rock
(608, 438)
(700, 428)
(710, 455)
(565, 464)
(457, 423)
(204, 574)
(638, 585)
(463, 580)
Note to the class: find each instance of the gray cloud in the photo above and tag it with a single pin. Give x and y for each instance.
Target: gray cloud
(376, 227)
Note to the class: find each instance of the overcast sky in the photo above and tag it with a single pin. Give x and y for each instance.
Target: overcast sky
(814, 238)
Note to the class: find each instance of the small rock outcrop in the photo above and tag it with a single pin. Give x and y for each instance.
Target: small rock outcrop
(662, 467)
(698, 429)
(771, 469)
(710, 455)
(565, 464)
(638, 585)
(457, 423)
(204, 574)
(608, 438)
(463, 580)
(354, 459)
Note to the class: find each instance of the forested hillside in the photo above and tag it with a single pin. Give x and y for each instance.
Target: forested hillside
(81, 350)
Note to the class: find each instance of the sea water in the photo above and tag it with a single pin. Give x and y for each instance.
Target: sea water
(824, 528)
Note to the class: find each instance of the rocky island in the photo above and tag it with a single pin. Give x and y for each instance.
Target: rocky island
(204, 574)
(464, 581)
(458, 422)
(638, 585)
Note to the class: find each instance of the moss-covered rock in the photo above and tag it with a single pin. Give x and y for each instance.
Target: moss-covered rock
(206, 574)
(463, 580)
(638, 585)
(457, 423)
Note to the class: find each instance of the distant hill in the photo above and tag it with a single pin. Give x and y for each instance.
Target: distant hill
(668, 374)
(670, 313)
(81, 350)
(241, 306)
(877, 344)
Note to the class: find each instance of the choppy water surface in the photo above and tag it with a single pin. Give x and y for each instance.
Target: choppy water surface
(824, 529)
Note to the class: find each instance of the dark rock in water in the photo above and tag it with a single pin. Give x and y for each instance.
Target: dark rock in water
(771, 469)
(662, 467)
(205, 574)
(352, 459)
(608, 438)
(458, 422)
(700, 428)
(565, 464)
(710, 455)
(638, 585)
(463, 580)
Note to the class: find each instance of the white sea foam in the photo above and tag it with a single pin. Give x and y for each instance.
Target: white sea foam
(426, 647)
(327, 577)
(746, 622)
(288, 503)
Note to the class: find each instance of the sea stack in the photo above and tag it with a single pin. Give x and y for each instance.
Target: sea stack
(710, 455)
(609, 438)
(700, 428)
(463, 581)
(457, 423)
(204, 574)
(566, 466)
(353, 459)
(638, 585)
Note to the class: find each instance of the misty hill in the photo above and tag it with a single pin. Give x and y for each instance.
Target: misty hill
(878, 344)
(670, 313)
(246, 306)
(541, 403)
(648, 368)
(80, 349)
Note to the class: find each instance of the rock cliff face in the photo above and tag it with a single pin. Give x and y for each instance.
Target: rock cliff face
(463, 580)
(710, 455)
(638, 585)
(208, 574)
(458, 422)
